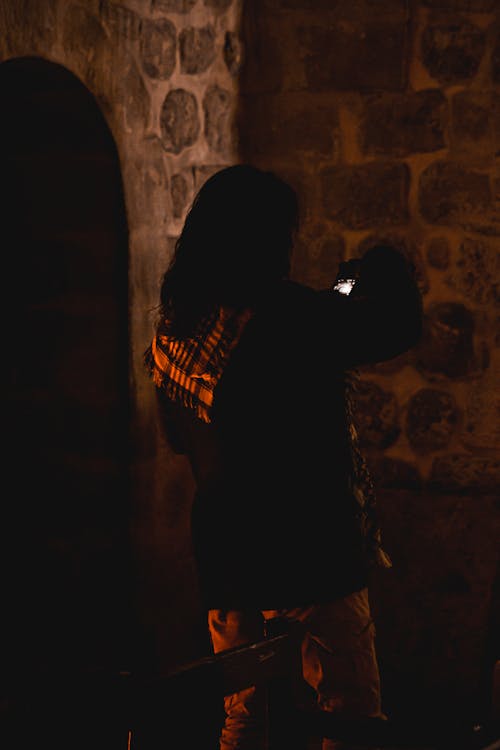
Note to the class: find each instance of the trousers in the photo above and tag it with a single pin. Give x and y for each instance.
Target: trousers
(338, 658)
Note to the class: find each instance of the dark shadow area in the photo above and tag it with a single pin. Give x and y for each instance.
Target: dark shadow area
(67, 603)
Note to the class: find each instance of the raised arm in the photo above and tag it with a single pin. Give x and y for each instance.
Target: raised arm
(382, 315)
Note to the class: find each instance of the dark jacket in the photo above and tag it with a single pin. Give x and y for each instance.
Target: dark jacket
(274, 521)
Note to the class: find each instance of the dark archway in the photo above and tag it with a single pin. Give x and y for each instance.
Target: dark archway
(65, 507)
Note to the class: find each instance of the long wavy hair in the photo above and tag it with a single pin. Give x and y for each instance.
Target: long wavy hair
(236, 241)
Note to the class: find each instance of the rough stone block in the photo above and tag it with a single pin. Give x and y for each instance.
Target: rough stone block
(158, 48)
(431, 420)
(452, 52)
(150, 206)
(121, 22)
(387, 471)
(438, 253)
(180, 193)
(358, 57)
(377, 8)
(465, 472)
(472, 6)
(495, 61)
(449, 192)
(217, 108)
(338, 9)
(86, 42)
(35, 22)
(179, 120)
(401, 124)
(482, 412)
(289, 124)
(219, 6)
(306, 4)
(476, 273)
(174, 6)
(447, 346)
(360, 197)
(197, 49)
(131, 91)
(264, 57)
(472, 124)
(495, 117)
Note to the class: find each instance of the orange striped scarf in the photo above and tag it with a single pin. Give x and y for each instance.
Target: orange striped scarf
(189, 369)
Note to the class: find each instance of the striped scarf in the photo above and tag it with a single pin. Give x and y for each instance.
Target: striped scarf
(188, 370)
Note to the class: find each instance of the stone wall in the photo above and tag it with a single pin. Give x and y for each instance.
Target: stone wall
(385, 116)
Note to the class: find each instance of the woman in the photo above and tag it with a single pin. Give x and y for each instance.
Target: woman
(253, 377)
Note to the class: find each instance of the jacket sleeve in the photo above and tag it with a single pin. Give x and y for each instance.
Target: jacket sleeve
(382, 316)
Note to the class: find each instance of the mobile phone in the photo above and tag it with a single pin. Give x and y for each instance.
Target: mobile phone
(344, 286)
